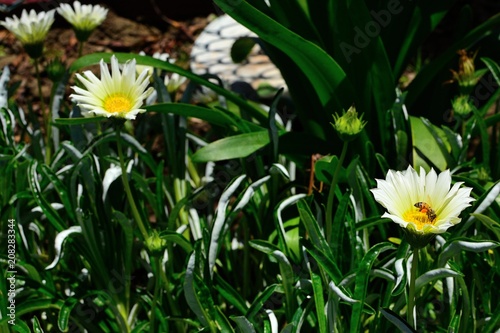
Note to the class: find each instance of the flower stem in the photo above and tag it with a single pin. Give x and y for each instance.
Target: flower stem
(157, 266)
(170, 299)
(126, 185)
(411, 313)
(47, 117)
(80, 49)
(331, 192)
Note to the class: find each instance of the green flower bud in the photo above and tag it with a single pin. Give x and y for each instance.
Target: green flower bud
(462, 105)
(155, 243)
(349, 125)
(56, 70)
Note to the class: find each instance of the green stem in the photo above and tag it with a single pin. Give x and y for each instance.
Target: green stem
(331, 193)
(171, 301)
(47, 117)
(126, 185)
(80, 49)
(411, 293)
(156, 294)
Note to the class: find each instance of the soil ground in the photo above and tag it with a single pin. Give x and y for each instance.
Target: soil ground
(116, 34)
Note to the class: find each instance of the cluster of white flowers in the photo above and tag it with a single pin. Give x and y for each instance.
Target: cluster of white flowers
(32, 27)
(119, 93)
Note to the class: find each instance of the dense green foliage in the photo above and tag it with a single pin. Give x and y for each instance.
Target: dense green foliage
(241, 234)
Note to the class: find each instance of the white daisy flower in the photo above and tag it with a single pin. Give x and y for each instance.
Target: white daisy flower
(83, 18)
(31, 29)
(119, 94)
(422, 203)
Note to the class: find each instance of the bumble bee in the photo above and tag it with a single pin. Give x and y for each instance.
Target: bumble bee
(425, 208)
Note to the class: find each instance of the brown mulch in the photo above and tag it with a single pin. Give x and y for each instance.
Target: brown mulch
(116, 34)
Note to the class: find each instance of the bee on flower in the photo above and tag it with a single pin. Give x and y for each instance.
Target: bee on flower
(425, 204)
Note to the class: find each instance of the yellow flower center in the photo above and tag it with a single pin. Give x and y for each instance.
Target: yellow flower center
(117, 103)
(420, 217)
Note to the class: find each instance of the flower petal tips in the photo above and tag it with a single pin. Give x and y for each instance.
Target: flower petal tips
(116, 94)
(422, 203)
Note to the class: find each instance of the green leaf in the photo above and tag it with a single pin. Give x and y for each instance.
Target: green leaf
(230, 294)
(232, 147)
(261, 300)
(430, 145)
(196, 294)
(59, 243)
(312, 227)
(493, 67)
(362, 278)
(435, 274)
(286, 247)
(176, 238)
(61, 190)
(78, 121)
(65, 313)
(319, 300)
(454, 247)
(243, 323)
(324, 260)
(213, 116)
(491, 224)
(51, 214)
(37, 328)
(219, 221)
(399, 322)
(241, 48)
(326, 76)
(286, 271)
(20, 327)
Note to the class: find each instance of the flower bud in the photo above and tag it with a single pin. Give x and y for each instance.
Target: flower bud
(349, 125)
(56, 69)
(155, 244)
(462, 105)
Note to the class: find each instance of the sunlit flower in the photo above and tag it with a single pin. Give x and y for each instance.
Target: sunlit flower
(422, 203)
(31, 29)
(119, 94)
(83, 18)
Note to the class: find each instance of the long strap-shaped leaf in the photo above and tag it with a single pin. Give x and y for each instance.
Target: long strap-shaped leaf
(327, 77)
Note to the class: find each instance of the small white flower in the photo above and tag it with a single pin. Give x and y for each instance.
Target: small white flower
(83, 18)
(156, 55)
(31, 28)
(204, 96)
(422, 203)
(174, 82)
(119, 94)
